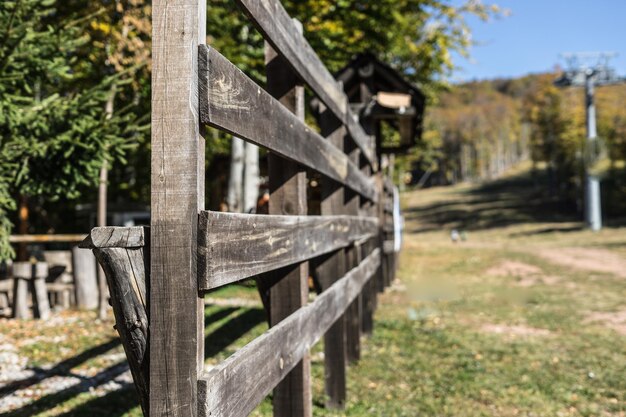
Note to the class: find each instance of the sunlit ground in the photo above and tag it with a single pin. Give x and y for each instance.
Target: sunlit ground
(525, 317)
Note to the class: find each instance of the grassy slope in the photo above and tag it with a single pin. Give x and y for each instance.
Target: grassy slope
(452, 337)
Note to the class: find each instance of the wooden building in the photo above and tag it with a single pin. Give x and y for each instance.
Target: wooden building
(380, 95)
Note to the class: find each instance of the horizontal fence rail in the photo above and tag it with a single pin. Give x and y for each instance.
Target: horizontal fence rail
(280, 30)
(235, 246)
(231, 101)
(237, 385)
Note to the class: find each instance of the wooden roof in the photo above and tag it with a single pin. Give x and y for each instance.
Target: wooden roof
(376, 90)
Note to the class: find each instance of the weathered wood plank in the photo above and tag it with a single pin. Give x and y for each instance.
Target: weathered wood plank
(278, 29)
(231, 101)
(288, 196)
(116, 237)
(353, 314)
(234, 387)
(368, 208)
(125, 272)
(177, 195)
(329, 270)
(234, 246)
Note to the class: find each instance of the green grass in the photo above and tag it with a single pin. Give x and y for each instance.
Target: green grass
(450, 338)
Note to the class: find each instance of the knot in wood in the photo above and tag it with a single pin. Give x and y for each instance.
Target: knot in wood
(288, 208)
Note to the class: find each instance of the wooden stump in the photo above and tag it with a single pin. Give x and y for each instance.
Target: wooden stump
(124, 257)
(85, 281)
(20, 299)
(6, 289)
(30, 276)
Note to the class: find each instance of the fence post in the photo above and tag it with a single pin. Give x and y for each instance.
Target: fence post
(353, 314)
(369, 292)
(176, 320)
(379, 207)
(331, 268)
(288, 196)
(391, 257)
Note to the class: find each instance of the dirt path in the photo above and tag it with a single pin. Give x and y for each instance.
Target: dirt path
(587, 259)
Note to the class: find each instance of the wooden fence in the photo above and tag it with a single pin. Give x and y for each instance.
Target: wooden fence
(158, 275)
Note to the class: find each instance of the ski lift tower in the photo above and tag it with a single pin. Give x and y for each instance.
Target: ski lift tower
(590, 69)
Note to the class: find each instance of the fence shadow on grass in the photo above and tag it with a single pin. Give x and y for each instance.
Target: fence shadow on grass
(232, 330)
(117, 403)
(114, 404)
(62, 368)
(50, 401)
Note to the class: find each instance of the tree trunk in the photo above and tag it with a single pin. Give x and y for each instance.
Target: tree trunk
(251, 178)
(235, 181)
(102, 211)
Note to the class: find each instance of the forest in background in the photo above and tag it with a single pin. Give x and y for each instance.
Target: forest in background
(476, 130)
(75, 90)
(75, 97)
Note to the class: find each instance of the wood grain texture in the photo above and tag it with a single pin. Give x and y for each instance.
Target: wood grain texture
(236, 386)
(353, 314)
(125, 272)
(231, 101)
(177, 195)
(116, 237)
(329, 270)
(288, 196)
(274, 23)
(234, 246)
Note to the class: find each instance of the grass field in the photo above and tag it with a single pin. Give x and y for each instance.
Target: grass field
(526, 317)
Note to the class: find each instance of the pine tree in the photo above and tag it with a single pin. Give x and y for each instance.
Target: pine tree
(54, 133)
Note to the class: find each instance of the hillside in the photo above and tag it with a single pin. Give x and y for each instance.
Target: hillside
(525, 317)
(479, 129)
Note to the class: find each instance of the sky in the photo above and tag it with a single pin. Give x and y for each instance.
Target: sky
(536, 32)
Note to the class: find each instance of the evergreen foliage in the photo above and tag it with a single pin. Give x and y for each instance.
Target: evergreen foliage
(54, 134)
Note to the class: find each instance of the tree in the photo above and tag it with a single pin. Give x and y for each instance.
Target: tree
(476, 129)
(416, 37)
(54, 132)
